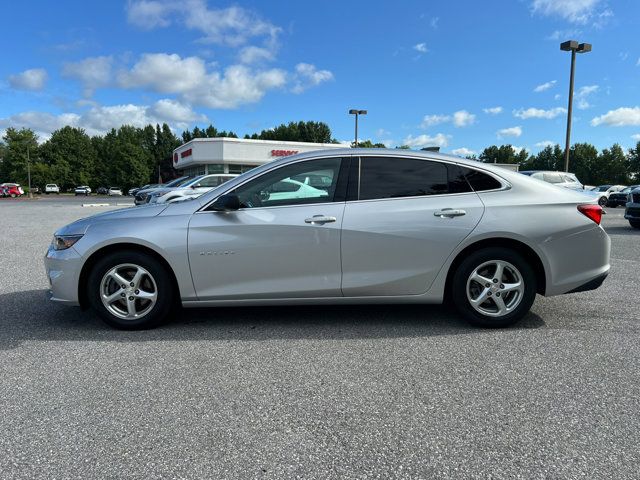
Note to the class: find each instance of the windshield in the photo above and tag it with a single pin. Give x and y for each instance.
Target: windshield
(176, 182)
(603, 188)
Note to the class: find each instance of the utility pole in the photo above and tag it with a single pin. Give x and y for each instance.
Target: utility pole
(29, 172)
(357, 112)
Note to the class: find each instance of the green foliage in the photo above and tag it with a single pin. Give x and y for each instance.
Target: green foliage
(368, 144)
(502, 154)
(549, 158)
(316, 132)
(209, 132)
(18, 145)
(70, 156)
(634, 163)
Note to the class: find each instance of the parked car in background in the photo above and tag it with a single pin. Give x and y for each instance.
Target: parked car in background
(12, 190)
(102, 190)
(621, 197)
(604, 191)
(133, 191)
(142, 196)
(392, 227)
(560, 179)
(632, 210)
(51, 188)
(114, 192)
(82, 190)
(191, 189)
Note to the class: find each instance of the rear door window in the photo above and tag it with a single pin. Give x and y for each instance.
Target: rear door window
(394, 177)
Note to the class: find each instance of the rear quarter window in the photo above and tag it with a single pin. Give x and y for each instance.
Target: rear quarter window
(480, 181)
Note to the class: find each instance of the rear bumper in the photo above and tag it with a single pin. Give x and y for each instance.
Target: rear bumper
(591, 284)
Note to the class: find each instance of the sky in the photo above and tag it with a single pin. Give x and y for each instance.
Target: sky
(457, 74)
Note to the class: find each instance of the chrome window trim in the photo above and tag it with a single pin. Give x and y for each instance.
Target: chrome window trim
(505, 184)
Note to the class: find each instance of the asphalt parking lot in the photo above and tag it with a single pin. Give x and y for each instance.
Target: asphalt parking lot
(322, 392)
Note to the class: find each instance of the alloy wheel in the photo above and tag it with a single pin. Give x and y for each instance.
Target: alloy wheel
(495, 288)
(128, 291)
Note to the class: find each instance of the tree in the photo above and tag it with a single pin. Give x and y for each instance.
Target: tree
(611, 166)
(634, 163)
(166, 142)
(502, 154)
(71, 157)
(123, 157)
(14, 157)
(368, 144)
(549, 158)
(316, 132)
(582, 161)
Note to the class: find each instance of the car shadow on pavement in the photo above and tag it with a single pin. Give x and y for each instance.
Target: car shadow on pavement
(30, 316)
(622, 230)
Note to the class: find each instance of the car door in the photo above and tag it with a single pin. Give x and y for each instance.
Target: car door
(405, 218)
(278, 244)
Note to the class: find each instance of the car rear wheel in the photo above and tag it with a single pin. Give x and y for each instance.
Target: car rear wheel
(131, 290)
(602, 201)
(635, 223)
(494, 287)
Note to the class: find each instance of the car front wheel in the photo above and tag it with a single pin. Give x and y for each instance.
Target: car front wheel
(634, 223)
(131, 290)
(602, 201)
(494, 287)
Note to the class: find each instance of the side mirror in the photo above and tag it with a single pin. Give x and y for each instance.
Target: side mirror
(197, 185)
(226, 203)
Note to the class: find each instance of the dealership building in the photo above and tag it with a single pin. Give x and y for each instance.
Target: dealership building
(235, 155)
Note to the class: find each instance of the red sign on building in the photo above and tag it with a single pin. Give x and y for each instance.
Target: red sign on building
(186, 153)
(283, 153)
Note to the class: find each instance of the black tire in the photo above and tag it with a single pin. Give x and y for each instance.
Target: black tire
(634, 223)
(165, 303)
(602, 201)
(467, 267)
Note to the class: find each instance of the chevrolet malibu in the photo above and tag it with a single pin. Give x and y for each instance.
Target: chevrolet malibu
(383, 227)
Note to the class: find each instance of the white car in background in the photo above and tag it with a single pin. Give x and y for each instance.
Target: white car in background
(51, 188)
(114, 192)
(191, 189)
(82, 190)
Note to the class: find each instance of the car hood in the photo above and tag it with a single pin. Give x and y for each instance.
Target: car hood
(79, 227)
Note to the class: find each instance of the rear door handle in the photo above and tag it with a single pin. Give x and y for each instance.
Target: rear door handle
(320, 219)
(449, 213)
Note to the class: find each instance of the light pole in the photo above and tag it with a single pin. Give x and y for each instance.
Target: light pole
(573, 47)
(29, 173)
(356, 112)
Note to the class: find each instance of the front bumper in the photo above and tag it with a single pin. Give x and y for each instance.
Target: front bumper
(63, 271)
(632, 212)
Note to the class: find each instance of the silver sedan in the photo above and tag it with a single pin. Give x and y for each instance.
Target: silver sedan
(339, 226)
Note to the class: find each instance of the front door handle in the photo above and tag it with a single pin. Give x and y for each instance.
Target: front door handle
(320, 219)
(449, 213)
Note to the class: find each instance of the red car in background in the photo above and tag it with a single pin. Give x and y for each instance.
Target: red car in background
(11, 190)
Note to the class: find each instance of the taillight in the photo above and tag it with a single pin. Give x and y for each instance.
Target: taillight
(594, 212)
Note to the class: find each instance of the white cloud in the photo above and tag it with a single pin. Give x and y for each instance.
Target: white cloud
(166, 73)
(557, 96)
(517, 150)
(431, 120)
(188, 78)
(33, 79)
(255, 54)
(575, 11)
(545, 143)
(100, 119)
(509, 132)
(307, 75)
(438, 140)
(463, 152)
(564, 34)
(620, 117)
(539, 113)
(230, 26)
(636, 136)
(492, 110)
(462, 118)
(421, 47)
(583, 93)
(92, 72)
(544, 86)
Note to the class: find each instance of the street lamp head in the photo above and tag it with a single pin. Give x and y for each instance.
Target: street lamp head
(362, 112)
(584, 48)
(353, 111)
(569, 45)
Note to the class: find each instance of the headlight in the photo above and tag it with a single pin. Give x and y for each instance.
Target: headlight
(62, 242)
